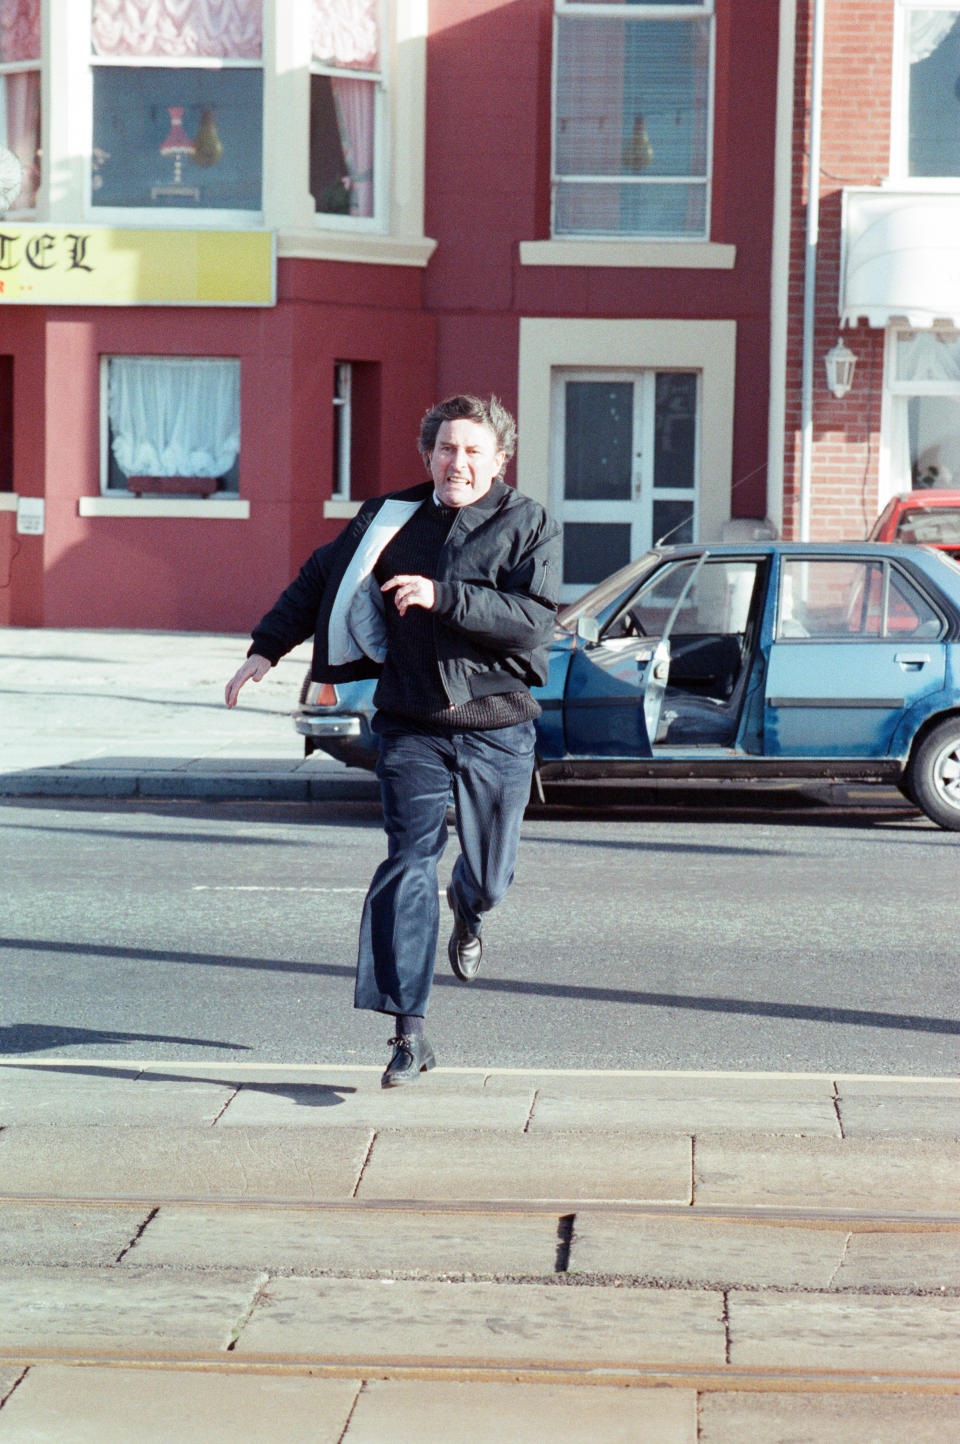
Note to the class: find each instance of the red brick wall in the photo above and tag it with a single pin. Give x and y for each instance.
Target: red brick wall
(855, 149)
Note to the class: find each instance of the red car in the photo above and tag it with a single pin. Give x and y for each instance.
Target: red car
(924, 518)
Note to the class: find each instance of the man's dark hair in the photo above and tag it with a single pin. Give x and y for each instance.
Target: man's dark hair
(492, 414)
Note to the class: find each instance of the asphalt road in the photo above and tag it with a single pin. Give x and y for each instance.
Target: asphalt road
(799, 940)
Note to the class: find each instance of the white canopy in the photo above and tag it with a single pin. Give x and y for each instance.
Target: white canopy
(901, 258)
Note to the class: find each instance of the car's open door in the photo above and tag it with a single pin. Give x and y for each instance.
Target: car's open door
(616, 681)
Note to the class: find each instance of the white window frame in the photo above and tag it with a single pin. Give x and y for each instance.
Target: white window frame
(150, 216)
(288, 209)
(333, 221)
(343, 410)
(900, 101)
(636, 14)
(895, 394)
(117, 493)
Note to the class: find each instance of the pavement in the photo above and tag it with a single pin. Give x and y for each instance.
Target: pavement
(215, 1251)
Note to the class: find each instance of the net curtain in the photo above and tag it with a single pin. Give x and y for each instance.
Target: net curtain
(226, 29)
(926, 453)
(20, 92)
(927, 29)
(346, 34)
(174, 417)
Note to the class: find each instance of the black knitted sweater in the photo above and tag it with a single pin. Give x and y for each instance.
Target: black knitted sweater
(410, 684)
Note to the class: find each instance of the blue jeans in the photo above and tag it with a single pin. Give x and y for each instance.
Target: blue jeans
(489, 775)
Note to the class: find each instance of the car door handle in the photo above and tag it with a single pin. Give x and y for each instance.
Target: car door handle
(911, 659)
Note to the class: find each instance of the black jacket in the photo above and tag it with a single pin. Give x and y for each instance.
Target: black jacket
(496, 595)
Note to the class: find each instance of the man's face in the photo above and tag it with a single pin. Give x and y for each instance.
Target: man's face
(464, 462)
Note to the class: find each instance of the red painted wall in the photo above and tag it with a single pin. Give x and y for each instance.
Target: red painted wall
(488, 183)
(196, 573)
(412, 335)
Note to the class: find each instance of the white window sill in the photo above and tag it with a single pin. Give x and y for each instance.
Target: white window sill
(375, 250)
(8, 500)
(149, 506)
(338, 508)
(688, 255)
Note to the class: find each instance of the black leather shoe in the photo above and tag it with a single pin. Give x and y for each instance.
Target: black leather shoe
(412, 1055)
(464, 948)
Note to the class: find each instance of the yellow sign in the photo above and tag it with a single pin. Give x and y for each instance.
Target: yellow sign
(110, 266)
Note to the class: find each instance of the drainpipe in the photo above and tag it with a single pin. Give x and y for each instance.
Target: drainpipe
(810, 272)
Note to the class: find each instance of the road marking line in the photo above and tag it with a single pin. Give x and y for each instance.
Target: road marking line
(256, 887)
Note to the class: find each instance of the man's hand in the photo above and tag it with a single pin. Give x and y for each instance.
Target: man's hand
(254, 669)
(411, 592)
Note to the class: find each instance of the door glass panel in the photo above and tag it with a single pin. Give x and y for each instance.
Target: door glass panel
(675, 429)
(717, 601)
(672, 522)
(598, 449)
(649, 610)
(591, 549)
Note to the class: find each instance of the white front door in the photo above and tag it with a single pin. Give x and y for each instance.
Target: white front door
(624, 467)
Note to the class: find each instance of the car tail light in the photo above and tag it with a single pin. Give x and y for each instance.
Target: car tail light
(318, 694)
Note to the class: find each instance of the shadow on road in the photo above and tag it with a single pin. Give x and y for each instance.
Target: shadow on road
(702, 1003)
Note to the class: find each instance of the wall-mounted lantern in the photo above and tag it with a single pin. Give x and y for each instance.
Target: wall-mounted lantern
(841, 363)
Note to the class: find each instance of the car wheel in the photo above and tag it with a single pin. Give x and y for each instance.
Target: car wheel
(934, 775)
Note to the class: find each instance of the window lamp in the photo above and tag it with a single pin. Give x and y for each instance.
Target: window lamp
(177, 105)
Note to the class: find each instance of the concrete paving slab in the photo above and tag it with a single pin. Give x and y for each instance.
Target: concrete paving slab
(122, 1309)
(160, 1406)
(770, 1171)
(483, 1322)
(325, 1241)
(449, 1105)
(80, 1095)
(32, 1233)
(563, 1165)
(324, 1078)
(678, 1114)
(198, 1163)
(613, 1084)
(892, 1115)
(413, 1413)
(844, 1331)
(840, 1418)
(901, 1261)
(706, 1252)
(899, 1087)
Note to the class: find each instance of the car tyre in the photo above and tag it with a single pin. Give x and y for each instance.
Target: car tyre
(933, 778)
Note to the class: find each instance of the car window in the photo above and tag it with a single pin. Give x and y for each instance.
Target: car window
(840, 597)
(599, 599)
(716, 599)
(930, 527)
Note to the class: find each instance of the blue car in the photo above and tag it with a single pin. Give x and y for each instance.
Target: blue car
(773, 660)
